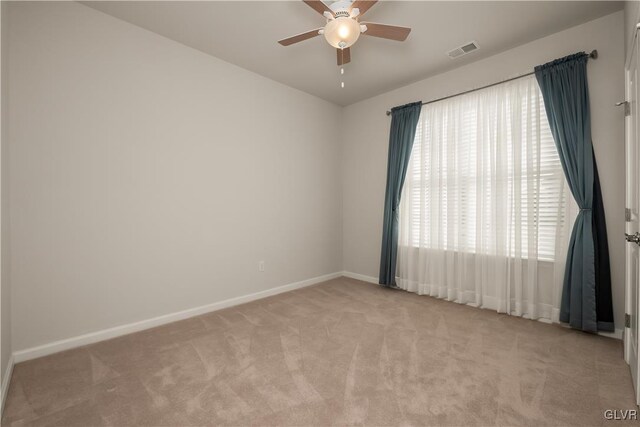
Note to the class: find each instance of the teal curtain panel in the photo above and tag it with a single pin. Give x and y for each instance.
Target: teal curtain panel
(586, 294)
(404, 121)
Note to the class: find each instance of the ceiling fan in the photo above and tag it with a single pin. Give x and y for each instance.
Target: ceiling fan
(343, 28)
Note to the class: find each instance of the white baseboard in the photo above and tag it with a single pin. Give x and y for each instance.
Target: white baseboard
(618, 334)
(105, 334)
(362, 277)
(4, 387)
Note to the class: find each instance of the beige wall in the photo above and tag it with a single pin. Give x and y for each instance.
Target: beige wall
(366, 137)
(631, 18)
(5, 289)
(147, 177)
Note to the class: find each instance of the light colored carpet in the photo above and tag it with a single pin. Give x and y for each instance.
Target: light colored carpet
(340, 353)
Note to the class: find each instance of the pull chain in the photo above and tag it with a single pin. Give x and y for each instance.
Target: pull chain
(342, 67)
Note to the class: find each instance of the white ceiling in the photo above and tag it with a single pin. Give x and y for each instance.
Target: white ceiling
(245, 33)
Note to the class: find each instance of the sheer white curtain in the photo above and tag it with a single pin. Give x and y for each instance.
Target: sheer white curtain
(485, 212)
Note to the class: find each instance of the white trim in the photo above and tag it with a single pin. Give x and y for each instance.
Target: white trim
(105, 334)
(488, 304)
(633, 36)
(362, 277)
(617, 334)
(4, 388)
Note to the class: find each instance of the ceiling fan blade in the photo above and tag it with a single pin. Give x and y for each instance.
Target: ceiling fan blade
(344, 56)
(299, 37)
(391, 32)
(363, 5)
(318, 6)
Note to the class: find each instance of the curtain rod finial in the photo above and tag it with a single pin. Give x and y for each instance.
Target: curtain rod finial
(388, 113)
(593, 54)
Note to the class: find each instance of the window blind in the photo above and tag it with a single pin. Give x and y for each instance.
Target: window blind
(478, 159)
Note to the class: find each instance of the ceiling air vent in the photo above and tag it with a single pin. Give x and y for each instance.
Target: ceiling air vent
(462, 50)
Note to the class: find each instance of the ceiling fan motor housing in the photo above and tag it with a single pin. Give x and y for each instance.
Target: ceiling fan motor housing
(339, 6)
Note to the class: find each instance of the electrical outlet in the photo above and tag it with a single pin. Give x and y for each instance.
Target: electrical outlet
(260, 265)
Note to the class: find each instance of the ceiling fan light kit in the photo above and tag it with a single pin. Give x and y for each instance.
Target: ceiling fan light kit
(343, 29)
(342, 32)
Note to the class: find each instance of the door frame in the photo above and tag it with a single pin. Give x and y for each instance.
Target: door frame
(627, 135)
(628, 305)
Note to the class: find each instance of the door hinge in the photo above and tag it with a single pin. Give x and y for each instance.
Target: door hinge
(627, 320)
(627, 107)
(627, 215)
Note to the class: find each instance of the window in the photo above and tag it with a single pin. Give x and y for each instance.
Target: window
(484, 176)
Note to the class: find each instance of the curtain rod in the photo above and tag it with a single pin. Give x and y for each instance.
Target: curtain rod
(592, 55)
